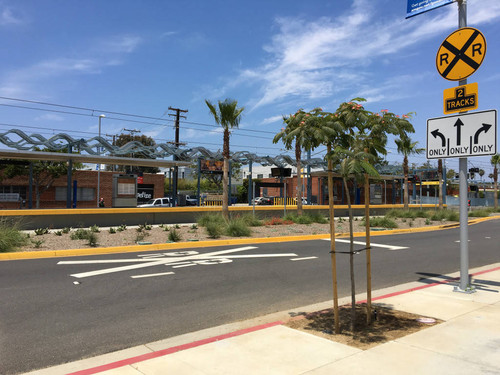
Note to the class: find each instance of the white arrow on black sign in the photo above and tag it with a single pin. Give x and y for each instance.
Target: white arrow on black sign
(470, 134)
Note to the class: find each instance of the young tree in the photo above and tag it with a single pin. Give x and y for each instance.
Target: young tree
(354, 164)
(125, 138)
(227, 115)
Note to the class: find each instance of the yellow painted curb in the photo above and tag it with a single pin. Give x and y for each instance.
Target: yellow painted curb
(198, 244)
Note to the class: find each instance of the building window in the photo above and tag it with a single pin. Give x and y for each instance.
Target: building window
(126, 189)
(82, 193)
(260, 176)
(12, 193)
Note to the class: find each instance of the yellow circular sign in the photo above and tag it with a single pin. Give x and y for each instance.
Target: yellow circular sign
(461, 53)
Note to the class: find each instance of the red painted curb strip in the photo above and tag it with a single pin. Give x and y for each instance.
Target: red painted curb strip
(160, 353)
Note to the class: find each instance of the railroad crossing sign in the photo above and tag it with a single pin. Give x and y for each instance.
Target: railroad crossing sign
(471, 134)
(461, 54)
(460, 99)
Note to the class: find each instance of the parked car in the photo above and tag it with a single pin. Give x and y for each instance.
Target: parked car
(156, 202)
(191, 201)
(263, 201)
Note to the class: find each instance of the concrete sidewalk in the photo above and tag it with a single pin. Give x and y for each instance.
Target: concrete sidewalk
(468, 342)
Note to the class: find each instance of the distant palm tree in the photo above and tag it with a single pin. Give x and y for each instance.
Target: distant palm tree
(406, 147)
(297, 135)
(227, 115)
(495, 161)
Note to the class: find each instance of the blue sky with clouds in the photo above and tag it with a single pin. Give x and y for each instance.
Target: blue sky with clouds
(274, 57)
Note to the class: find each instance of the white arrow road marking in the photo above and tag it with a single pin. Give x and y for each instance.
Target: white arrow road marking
(152, 275)
(388, 247)
(305, 258)
(173, 259)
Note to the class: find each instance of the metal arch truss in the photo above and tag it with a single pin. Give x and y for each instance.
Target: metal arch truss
(61, 141)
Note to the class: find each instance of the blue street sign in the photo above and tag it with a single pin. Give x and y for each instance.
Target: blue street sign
(420, 6)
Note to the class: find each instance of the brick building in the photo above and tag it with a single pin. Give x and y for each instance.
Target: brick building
(387, 189)
(16, 190)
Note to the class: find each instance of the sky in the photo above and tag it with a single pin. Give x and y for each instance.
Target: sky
(128, 58)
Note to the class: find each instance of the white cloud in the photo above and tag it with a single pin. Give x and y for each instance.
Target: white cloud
(271, 120)
(106, 53)
(9, 17)
(314, 59)
(121, 44)
(50, 117)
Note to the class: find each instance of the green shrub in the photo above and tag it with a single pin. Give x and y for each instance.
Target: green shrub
(238, 228)
(214, 229)
(427, 221)
(66, 230)
(211, 218)
(121, 228)
(58, 233)
(174, 236)
(318, 218)
(11, 237)
(383, 222)
(194, 226)
(80, 234)
(95, 229)
(483, 212)
(448, 215)
(37, 243)
(41, 231)
(252, 221)
(112, 230)
(92, 239)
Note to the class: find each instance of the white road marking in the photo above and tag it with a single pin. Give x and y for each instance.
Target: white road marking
(488, 238)
(459, 241)
(305, 258)
(389, 247)
(152, 275)
(172, 259)
(185, 265)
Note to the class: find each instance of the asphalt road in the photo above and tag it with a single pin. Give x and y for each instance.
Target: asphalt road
(60, 309)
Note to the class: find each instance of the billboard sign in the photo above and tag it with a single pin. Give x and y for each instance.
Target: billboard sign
(420, 6)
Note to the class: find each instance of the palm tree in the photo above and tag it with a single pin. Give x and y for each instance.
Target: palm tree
(297, 135)
(495, 161)
(407, 148)
(227, 115)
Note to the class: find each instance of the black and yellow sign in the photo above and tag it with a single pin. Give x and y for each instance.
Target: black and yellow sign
(461, 98)
(461, 54)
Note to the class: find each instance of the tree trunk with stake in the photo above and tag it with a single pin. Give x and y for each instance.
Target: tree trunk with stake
(351, 257)
(333, 256)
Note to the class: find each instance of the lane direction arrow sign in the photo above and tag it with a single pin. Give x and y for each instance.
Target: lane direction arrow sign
(458, 125)
(463, 135)
(437, 133)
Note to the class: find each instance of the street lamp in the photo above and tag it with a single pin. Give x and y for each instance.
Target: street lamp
(99, 162)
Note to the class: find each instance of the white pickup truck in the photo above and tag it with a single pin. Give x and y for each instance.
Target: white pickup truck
(157, 202)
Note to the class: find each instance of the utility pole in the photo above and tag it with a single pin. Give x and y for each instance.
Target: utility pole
(177, 115)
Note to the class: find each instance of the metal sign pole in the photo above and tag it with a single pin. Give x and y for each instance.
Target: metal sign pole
(464, 285)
